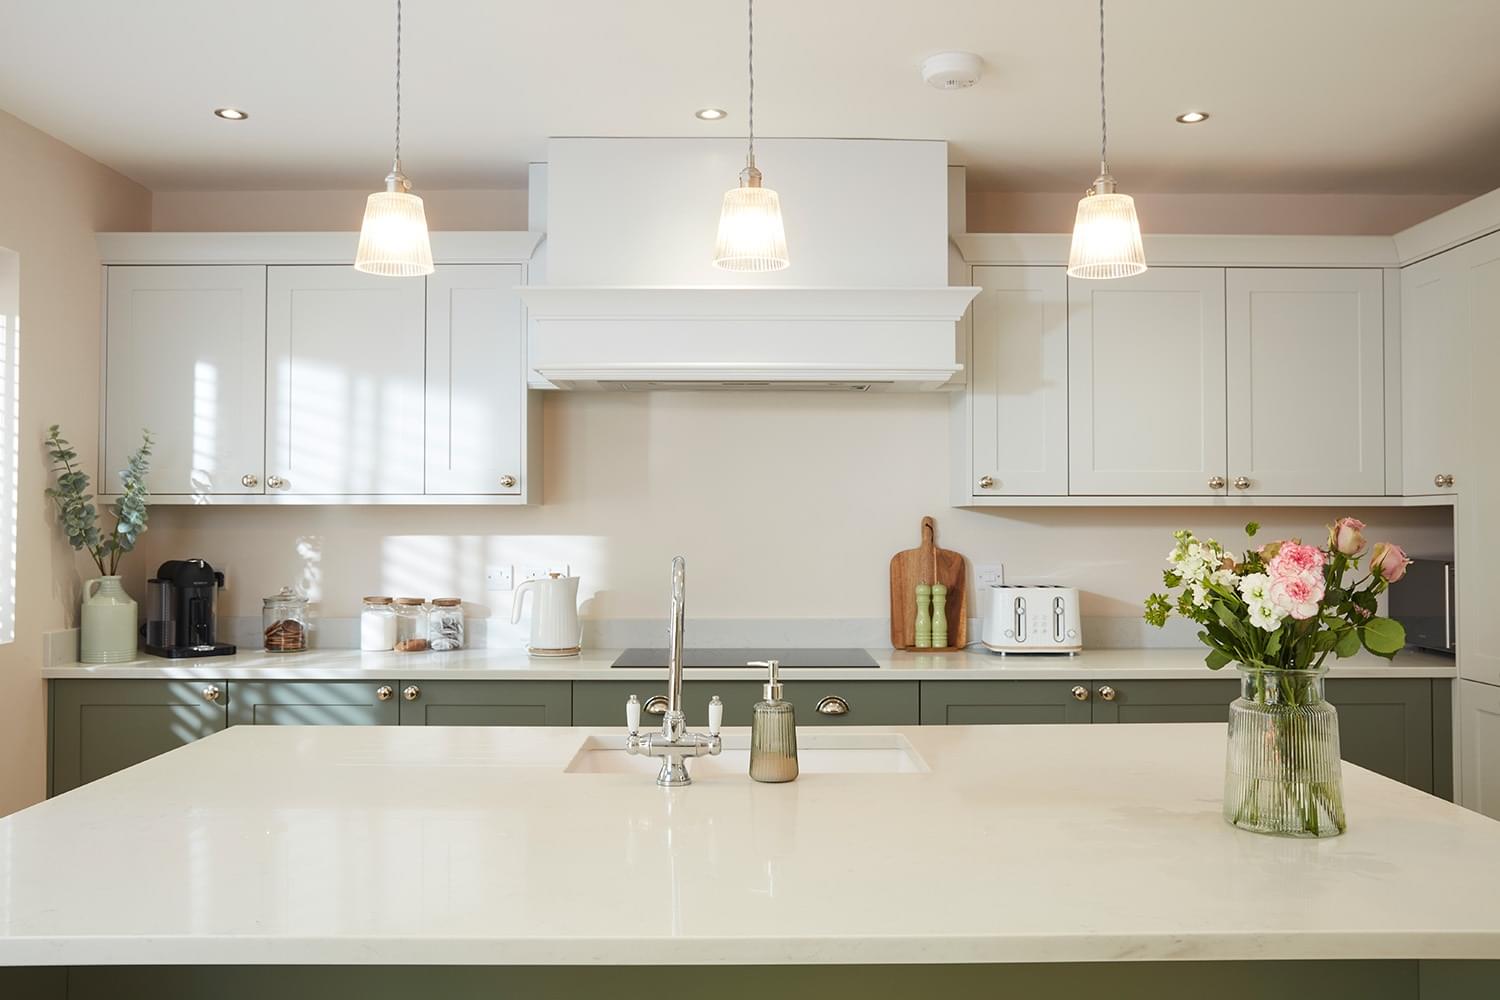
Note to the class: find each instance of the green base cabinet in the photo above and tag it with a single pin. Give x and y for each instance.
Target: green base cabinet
(103, 726)
(1004, 703)
(314, 703)
(818, 703)
(487, 703)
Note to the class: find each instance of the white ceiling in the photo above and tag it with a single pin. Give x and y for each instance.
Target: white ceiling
(1379, 96)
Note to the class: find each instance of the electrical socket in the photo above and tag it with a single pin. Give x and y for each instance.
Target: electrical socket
(498, 578)
(989, 574)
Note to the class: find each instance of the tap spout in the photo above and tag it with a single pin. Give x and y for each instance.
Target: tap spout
(674, 637)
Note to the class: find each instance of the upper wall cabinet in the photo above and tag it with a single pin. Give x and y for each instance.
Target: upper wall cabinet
(345, 355)
(1146, 384)
(1306, 381)
(184, 355)
(476, 380)
(1016, 405)
(1434, 379)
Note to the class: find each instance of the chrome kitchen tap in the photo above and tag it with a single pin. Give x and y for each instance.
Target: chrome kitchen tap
(674, 744)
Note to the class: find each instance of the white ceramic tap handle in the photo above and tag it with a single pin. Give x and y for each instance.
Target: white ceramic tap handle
(715, 715)
(633, 714)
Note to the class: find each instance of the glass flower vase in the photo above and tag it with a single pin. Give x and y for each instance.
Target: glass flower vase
(1282, 769)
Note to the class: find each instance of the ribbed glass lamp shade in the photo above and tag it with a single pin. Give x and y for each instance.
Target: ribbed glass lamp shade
(393, 240)
(1106, 238)
(751, 234)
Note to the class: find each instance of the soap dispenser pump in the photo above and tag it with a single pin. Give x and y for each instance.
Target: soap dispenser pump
(773, 731)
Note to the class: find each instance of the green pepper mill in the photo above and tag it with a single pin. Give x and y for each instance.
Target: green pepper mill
(939, 616)
(924, 617)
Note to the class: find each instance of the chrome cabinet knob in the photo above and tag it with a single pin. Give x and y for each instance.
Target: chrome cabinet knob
(656, 705)
(276, 482)
(385, 692)
(833, 705)
(1442, 480)
(1080, 693)
(507, 481)
(1241, 483)
(211, 693)
(986, 482)
(1216, 483)
(249, 480)
(411, 692)
(1108, 693)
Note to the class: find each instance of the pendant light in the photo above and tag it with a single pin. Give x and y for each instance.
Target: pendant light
(1106, 233)
(393, 239)
(751, 234)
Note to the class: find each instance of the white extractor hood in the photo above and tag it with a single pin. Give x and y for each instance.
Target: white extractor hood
(631, 299)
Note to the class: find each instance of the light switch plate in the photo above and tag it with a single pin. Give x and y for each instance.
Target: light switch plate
(498, 578)
(989, 574)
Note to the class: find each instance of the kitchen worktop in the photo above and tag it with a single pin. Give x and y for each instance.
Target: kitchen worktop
(472, 846)
(594, 664)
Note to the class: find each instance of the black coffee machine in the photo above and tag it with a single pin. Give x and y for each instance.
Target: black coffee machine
(182, 604)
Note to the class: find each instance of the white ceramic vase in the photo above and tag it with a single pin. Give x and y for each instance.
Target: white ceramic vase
(106, 622)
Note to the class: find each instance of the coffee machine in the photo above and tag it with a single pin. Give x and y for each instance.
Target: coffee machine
(182, 604)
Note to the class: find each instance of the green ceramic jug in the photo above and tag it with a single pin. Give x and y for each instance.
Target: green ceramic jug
(106, 623)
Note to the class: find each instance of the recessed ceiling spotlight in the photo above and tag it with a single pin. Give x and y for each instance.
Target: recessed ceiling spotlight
(710, 114)
(232, 114)
(1192, 117)
(952, 70)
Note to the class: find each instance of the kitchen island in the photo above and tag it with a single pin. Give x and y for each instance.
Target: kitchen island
(1031, 857)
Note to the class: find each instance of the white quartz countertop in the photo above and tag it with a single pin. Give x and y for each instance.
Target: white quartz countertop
(594, 664)
(432, 846)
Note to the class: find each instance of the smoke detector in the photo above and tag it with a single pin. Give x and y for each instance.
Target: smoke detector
(952, 70)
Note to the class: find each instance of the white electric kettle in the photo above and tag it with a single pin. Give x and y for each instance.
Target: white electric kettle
(554, 615)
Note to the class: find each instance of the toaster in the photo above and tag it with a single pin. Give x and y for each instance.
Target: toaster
(1032, 620)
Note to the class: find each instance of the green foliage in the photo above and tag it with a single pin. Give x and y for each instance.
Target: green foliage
(1383, 636)
(1252, 528)
(75, 504)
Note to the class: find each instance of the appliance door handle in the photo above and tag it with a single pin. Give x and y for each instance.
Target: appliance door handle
(1447, 605)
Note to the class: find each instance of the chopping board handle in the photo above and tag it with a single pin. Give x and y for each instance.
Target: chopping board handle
(929, 532)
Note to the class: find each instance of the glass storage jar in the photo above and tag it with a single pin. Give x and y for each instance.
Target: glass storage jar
(411, 624)
(445, 623)
(284, 619)
(377, 625)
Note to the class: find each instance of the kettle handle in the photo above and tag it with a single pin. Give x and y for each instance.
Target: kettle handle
(515, 606)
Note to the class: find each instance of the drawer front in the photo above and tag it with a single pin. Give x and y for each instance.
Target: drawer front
(855, 703)
(487, 703)
(313, 703)
(1192, 700)
(869, 703)
(1003, 703)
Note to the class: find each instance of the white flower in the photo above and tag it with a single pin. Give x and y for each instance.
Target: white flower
(1200, 595)
(1224, 578)
(1265, 616)
(1255, 588)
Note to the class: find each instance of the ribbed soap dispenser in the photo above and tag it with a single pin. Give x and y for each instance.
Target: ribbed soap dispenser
(773, 731)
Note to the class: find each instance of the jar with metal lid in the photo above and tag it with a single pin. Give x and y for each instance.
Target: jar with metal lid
(377, 625)
(411, 624)
(445, 623)
(284, 619)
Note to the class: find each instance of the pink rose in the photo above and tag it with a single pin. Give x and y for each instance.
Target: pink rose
(1297, 595)
(1388, 562)
(1346, 536)
(1296, 560)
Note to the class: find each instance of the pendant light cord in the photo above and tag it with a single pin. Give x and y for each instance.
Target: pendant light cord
(750, 4)
(1103, 119)
(398, 85)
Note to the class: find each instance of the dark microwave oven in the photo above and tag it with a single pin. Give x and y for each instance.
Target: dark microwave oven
(1424, 601)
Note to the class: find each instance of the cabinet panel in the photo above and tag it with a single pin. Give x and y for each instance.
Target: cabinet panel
(184, 356)
(1386, 726)
(1018, 382)
(1195, 700)
(488, 703)
(870, 703)
(1478, 516)
(1479, 747)
(1146, 384)
(344, 382)
(1306, 381)
(312, 703)
(1434, 382)
(103, 726)
(983, 703)
(476, 379)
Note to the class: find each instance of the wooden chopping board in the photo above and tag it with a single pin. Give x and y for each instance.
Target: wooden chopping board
(928, 564)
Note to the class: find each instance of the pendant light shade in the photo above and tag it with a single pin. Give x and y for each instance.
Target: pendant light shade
(393, 240)
(752, 236)
(1106, 232)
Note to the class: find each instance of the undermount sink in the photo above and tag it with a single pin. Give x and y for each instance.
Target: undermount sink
(818, 752)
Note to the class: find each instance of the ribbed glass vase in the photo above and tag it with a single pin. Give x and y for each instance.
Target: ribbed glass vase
(1282, 770)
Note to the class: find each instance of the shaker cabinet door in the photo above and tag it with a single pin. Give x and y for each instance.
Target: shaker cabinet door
(184, 356)
(344, 382)
(103, 726)
(1018, 383)
(1306, 381)
(1479, 747)
(314, 703)
(1434, 375)
(476, 380)
(1146, 384)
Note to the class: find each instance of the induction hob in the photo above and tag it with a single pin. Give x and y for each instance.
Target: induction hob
(790, 659)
